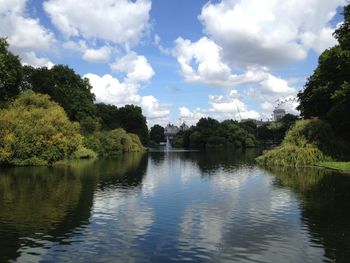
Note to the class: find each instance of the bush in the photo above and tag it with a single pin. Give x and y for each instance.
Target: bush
(84, 153)
(115, 142)
(292, 155)
(306, 143)
(36, 131)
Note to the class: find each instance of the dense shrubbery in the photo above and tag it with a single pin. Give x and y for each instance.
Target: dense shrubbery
(36, 131)
(306, 143)
(115, 142)
(209, 133)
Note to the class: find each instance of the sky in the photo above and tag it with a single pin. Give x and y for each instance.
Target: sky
(179, 60)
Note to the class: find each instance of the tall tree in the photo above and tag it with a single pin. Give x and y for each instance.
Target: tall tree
(109, 116)
(133, 121)
(157, 133)
(326, 94)
(10, 73)
(64, 86)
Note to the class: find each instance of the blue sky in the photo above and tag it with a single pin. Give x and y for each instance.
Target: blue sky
(179, 60)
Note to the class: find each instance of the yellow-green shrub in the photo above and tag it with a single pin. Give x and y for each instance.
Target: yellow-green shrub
(115, 142)
(306, 143)
(36, 131)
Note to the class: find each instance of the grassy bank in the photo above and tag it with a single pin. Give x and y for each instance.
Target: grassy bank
(339, 166)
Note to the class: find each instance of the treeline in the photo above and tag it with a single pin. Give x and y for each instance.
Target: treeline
(210, 133)
(70, 91)
(325, 104)
(35, 102)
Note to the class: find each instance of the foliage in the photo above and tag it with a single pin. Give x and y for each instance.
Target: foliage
(291, 155)
(84, 153)
(112, 143)
(36, 131)
(341, 166)
(10, 73)
(132, 120)
(109, 116)
(157, 134)
(275, 131)
(64, 86)
(327, 91)
(306, 143)
(209, 133)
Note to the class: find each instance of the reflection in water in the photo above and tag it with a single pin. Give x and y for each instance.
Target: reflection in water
(325, 199)
(174, 206)
(48, 203)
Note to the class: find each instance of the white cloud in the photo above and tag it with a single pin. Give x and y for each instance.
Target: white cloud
(270, 32)
(221, 108)
(100, 55)
(111, 91)
(118, 21)
(153, 109)
(136, 67)
(191, 117)
(230, 107)
(30, 58)
(201, 61)
(25, 35)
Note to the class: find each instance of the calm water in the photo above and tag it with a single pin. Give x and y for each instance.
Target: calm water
(177, 206)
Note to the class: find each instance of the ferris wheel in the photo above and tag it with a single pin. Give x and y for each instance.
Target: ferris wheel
(283, 101)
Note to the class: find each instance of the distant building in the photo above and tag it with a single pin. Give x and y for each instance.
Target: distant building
(278, 114)
(170, 130)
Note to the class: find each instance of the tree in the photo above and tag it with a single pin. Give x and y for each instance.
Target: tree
(36, 131)
(109, 116)
(64, 86)
(132, 120)
(10, 73)
(326, 93)
(157, 133)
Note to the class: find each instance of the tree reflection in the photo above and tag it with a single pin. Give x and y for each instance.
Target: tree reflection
(323, 195)
(50, 202)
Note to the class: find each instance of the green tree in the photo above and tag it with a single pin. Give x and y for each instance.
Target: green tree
(36, 131)
(132, 120)
(157, 133)
(10, 73)
(109, 116)
(326, 93)
(64, 86)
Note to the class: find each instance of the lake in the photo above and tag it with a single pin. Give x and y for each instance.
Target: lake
(173, 207)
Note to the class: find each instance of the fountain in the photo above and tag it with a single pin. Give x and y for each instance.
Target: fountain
(168, 145)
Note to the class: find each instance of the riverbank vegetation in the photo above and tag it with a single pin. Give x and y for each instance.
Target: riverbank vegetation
(36, 131)
(324, 135)
(339, 166)
(50, 114)
(209, 133)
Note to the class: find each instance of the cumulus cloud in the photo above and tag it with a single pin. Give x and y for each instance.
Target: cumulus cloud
(30, 58)
(221, 107)
(118, 21)
(254, 32)
(25, 35)
(99, 55)
(135, 67)
(231, 107)
(109, 89)
(209, 68)
(191, 117)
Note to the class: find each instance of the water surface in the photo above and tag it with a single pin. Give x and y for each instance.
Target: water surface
(173, 207)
